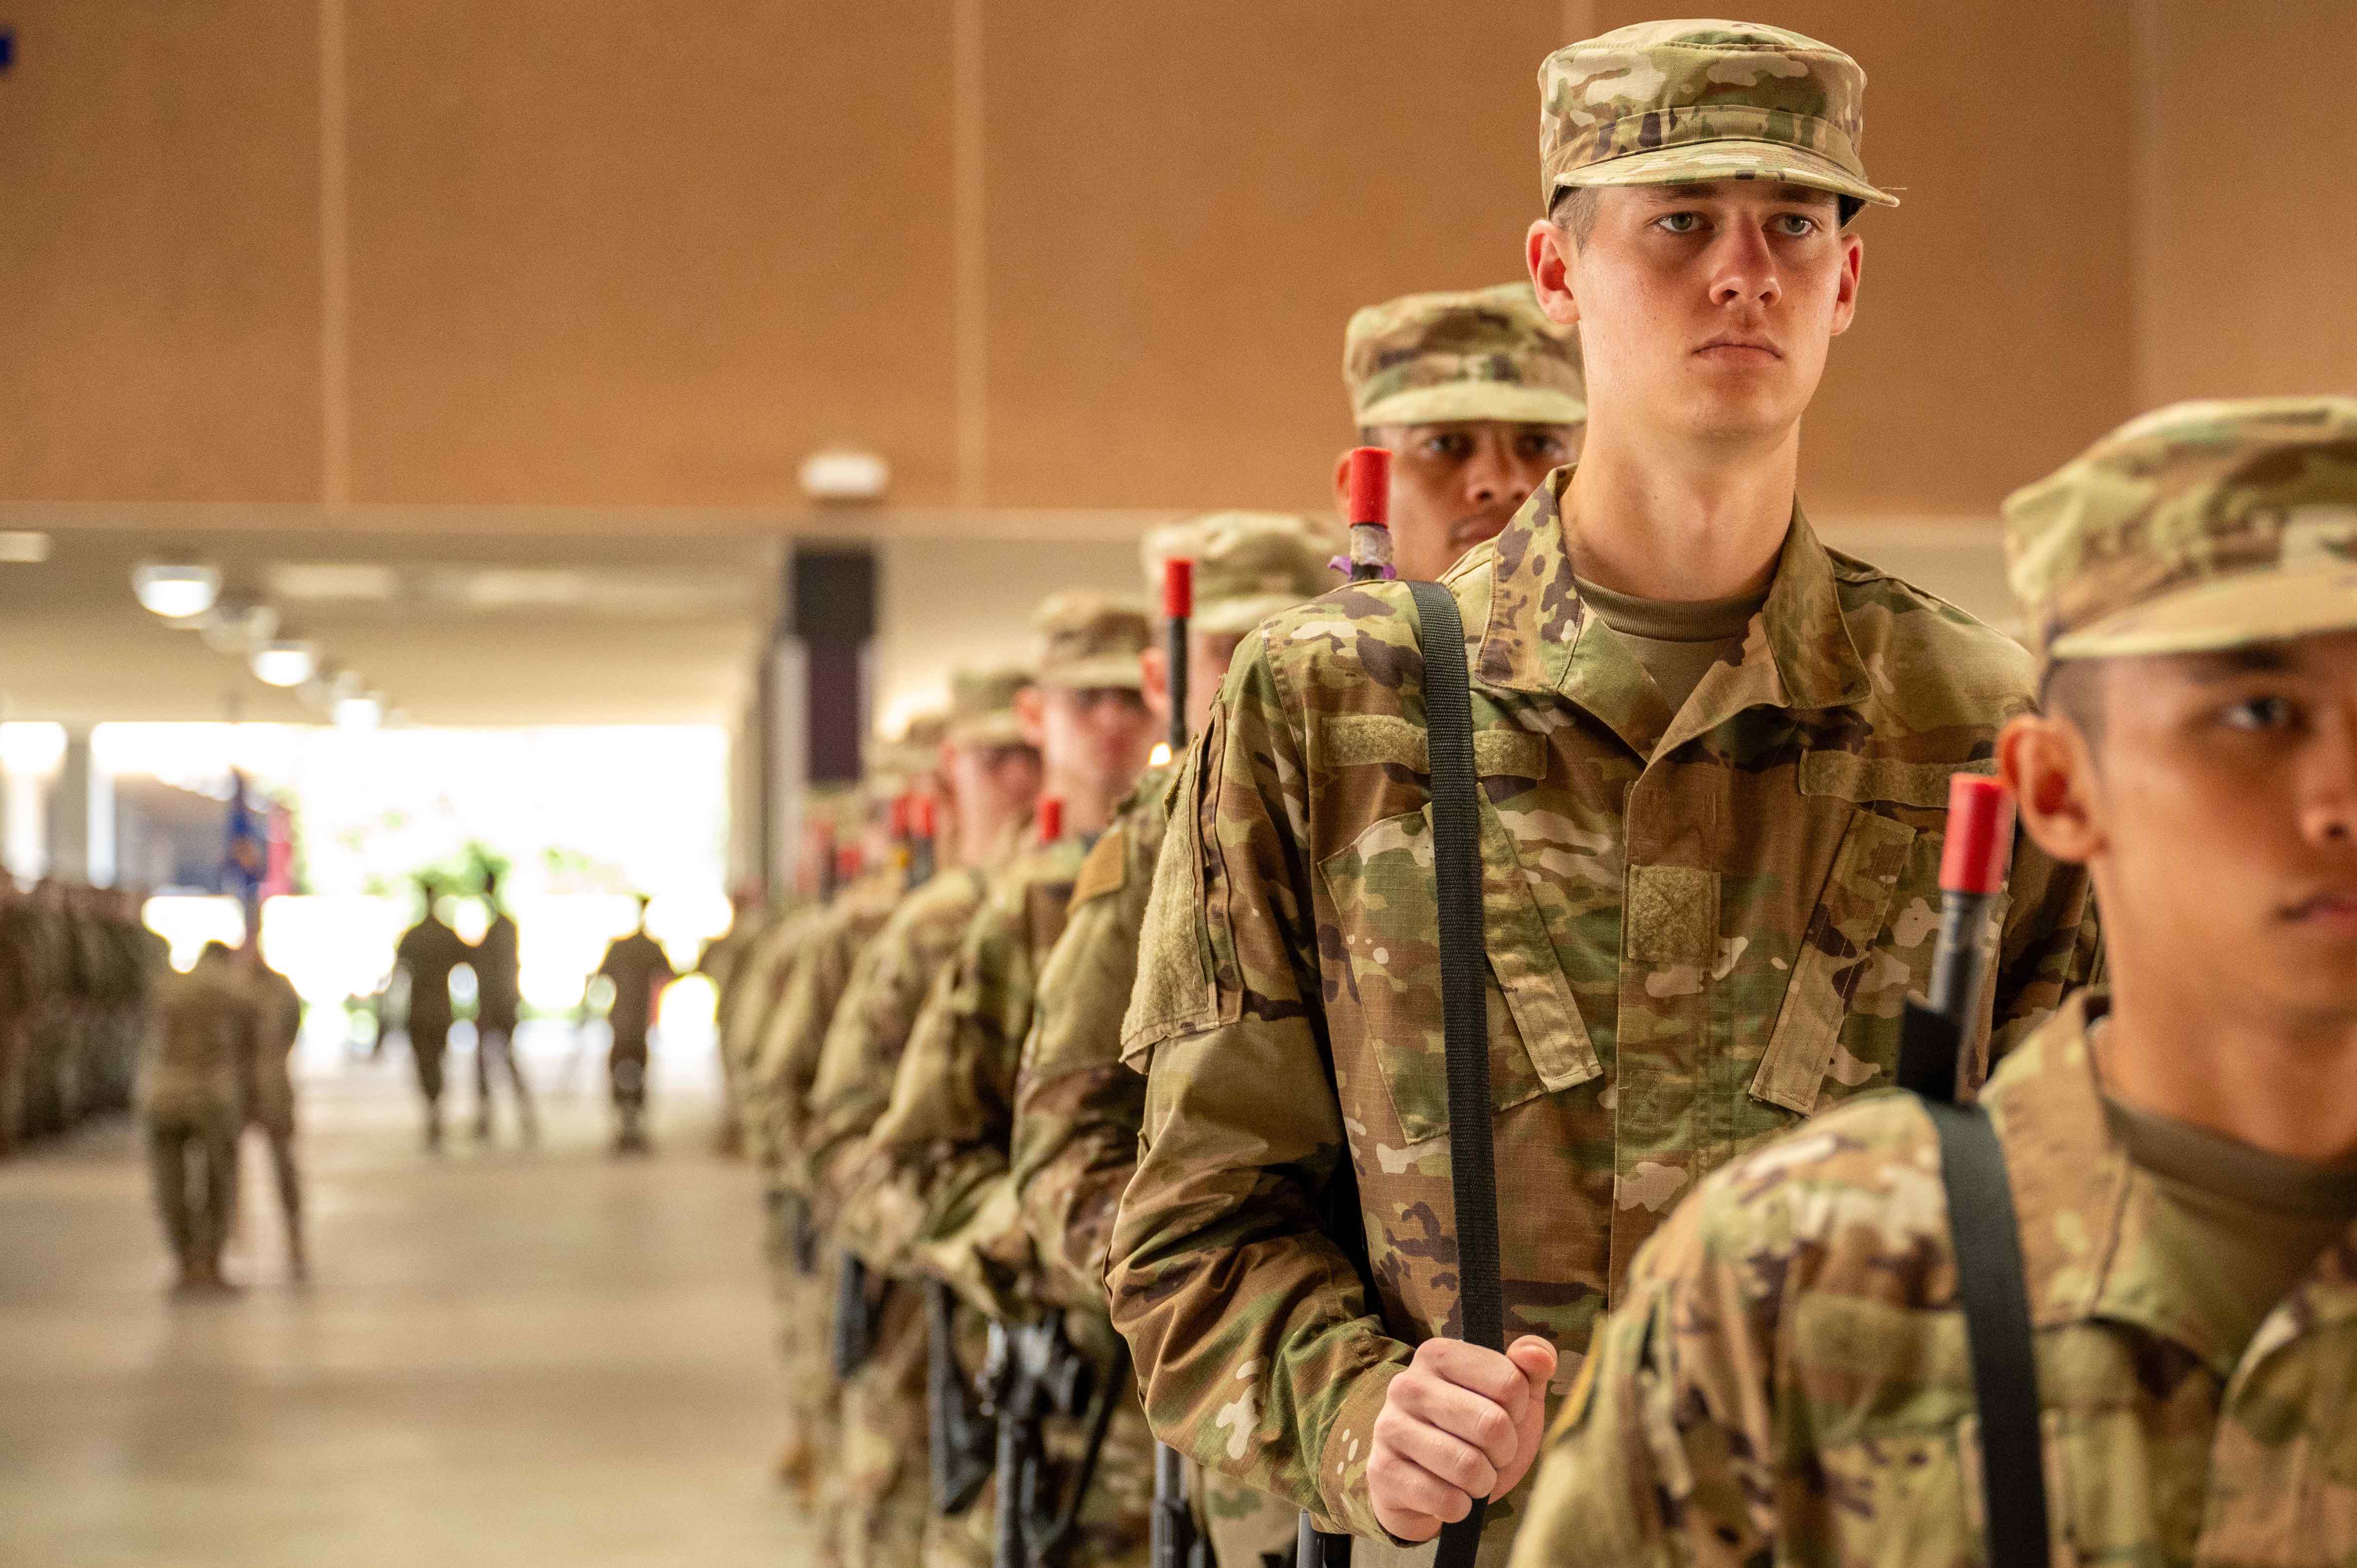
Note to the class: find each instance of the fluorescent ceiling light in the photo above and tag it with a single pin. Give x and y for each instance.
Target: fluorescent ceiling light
(843, 474)
(285, 662)
(22, 549)
(175, 592)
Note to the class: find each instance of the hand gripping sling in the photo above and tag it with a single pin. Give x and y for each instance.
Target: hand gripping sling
(1990, 1282)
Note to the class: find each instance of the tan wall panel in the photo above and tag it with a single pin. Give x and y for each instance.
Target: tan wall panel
(160, 252)
(1992, 332)
(1183, 210)
(2251, 235)
(636, 253)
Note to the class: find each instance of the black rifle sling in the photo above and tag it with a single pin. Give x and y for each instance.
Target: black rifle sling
(1464, 1007)
(1994, 1290)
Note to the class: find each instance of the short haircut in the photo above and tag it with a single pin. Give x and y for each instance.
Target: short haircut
(1575, 207)
(2073, 691)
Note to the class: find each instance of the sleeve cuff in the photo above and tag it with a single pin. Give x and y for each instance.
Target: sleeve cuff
(1341, 1478)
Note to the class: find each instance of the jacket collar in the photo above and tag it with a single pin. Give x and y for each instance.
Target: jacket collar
(1540, 636)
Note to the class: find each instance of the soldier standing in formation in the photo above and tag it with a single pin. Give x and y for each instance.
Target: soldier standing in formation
(78, 971)
(638, 969)
(202, 1060)
(1714, 759)
(498, 1000)
(991, 774)
(2181, 1149)
(427, 955)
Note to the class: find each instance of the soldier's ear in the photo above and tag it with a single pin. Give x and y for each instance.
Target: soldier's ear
(2050, 767)
(1548, 251)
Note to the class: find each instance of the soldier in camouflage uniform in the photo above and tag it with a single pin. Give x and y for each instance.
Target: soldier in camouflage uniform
(1078, 1109)
(991, 774)
(776, 1108)
(199, 1067)
(24, 982)
(428, 953)
(1710, 840)
(270, 1104)
(1786, 1378)
(1478, 396)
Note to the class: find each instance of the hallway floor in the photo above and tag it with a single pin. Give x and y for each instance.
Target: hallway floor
(505, 1355)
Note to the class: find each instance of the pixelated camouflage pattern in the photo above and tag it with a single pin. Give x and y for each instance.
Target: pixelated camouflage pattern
(2200, 526)
(981, 705)
(1672, 102)
(1487, 353)
(1788, 1378)
(864, 1043)
(1090, 640)
(204, 1045)
(1248, 564)
(1701, 926)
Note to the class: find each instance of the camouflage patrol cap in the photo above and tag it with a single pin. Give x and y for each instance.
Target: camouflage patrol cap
(1089, 641)
(1488, 353)
(900, 764)
(982, 706)
(2199, 527)
(1248, 564)
(1675, 102)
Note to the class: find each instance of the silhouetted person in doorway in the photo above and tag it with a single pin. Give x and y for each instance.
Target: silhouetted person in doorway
(499, 999)
(640, 969)
(429, 950)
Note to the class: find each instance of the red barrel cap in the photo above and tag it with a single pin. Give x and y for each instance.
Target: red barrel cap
(903, 821)
(848, 861)
(1052, 819)
(927, 815)
(1370, 487)
(1980, 834)
(1178, 589)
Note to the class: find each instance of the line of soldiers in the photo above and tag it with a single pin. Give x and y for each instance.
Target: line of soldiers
(77, 972)
(1713, 760)
(927, 1066)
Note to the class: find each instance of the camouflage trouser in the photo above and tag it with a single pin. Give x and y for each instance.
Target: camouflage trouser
(196, 1214)
(887, 1511)
(1247, 1526)
(813, 1398)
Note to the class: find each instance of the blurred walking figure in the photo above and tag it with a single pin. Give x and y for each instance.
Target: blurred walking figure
(640, 969)
(201, 1064)
(269, 1097)
(498, 997)
(429, 950)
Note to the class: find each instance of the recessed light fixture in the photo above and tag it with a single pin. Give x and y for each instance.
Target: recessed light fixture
(176, 592)
(361, 713)
(287, 661)
(19, 548)
(845, 475)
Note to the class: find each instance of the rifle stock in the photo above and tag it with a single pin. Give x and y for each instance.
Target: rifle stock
(960, 1442)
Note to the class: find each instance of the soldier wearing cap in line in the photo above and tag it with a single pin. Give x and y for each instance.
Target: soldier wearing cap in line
(990, 775)
(938, 1201)
(1714, 759)
(1478, 396)
(777, 1083)
(1077, 1107)
(2181, 1145)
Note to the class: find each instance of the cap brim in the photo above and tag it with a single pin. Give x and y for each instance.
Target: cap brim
(1096, 674)
(1001, 729)
(2250, 607)
(1496, 400)
(1693, 162)
(1225, 617)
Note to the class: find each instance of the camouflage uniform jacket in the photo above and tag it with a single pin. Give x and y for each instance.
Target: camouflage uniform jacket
(756, 980)
(204, 1046)
(862, 1057)
(777, 1087)
(1701, 928)
(944, 1141)
(1787, 1379)
(1078, 1107)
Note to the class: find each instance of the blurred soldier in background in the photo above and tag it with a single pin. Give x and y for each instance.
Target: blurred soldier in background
(640, 969)
(1077, 1109)
(202, 1063)
(25, 965)
(942, 1193)
(991, 775)
(722, 962)
(428, 952)
(1479, 397)
(777, 1099)
(498, 998)
(270, 1104)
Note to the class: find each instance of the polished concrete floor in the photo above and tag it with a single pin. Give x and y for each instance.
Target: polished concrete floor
(505, 1356)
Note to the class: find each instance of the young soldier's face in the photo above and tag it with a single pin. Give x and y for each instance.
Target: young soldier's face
(1705, 311)
(2216, 803)
(1208, 654)
(989, 787)
(1097, 737)
(1456, 484)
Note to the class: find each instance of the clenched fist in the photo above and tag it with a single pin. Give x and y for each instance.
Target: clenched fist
(1461, 1422)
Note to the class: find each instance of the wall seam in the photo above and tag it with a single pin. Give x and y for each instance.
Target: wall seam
(335, 264)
